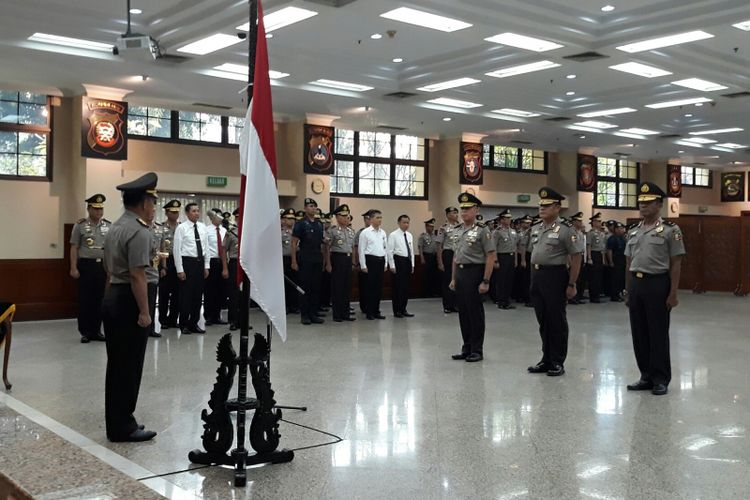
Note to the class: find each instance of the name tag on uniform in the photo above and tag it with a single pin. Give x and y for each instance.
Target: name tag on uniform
(554, 236)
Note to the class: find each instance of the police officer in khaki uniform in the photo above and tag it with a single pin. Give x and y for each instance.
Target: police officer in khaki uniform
(524, 257)
(428, 246)
(169, 284)
(86, 254)
(473, 262)
(577, 221)
(554, 245)
(506, 245)
(447, 239)
(127, 320)
(653, 254)
(288, 218)
(152, 271)
(231, 243)
(596, 246)
(342, 261)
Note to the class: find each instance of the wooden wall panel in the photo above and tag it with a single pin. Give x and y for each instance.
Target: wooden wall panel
(720, 258)
(745, 253)
(692, 268)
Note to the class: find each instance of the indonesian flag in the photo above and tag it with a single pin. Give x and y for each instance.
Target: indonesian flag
(260, 232)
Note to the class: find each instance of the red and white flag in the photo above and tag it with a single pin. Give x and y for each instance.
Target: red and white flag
(260, 232)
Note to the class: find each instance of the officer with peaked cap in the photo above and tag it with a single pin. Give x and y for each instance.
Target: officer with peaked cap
(127, 320)
(233, 255)
(361, 277)
(427, 245)
(616, 258)
(523, 270)
(596, 245)
(506, 245)
(554, 244)
(576, 221)
(86, 254)
(288, 219)
(472, 268)
(447, 238)
(308, 237)
(653, 254)
(342, 261)
(169, 284)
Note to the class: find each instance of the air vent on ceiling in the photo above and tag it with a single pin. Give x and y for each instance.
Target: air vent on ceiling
(669, 136)
(173, 58)
(625, 155)
(557, 119)
(213, 106)
(586, 56)
(699, 163)
(400, 95)
(390, 127)
(525, 143)
(332, 3)
(735, 95)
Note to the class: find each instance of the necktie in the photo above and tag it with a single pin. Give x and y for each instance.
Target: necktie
(408, 250)
(218, 241)
(198, 243)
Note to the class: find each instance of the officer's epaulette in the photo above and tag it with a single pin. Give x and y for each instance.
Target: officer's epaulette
(159, 224)
(481, 224)
(567, 223)
(233, 233)
(81, 221)
(105, 220)
(457, 225)
(668, 223)
(536, 223)
(142, 222)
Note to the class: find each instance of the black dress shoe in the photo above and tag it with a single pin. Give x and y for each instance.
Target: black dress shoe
(378, 316)
(659, 389)
(137, 436)
(306, 321)
(370, 316)
(338, 320)
(85, 339)
(641, 385)
(220, 322)
(317, 320)
(447, 311)
(319, 315)
(350, 319)
(454, 309)
(506, 306)
(98, 337)
(209, 323)
(407, 314)
(165, 326)
(528, 304)
(398, 315)
(555, 371)
(460, 357)
(540, 367)
(197, 329)
(233, 327)
(155, 335)
(595, 301)
(185, 331)
(323, 309)
(474, 357)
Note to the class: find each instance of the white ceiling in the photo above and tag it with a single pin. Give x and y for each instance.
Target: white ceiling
(336, 45)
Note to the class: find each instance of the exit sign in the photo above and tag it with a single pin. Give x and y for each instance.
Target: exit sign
(216, 181)
(523, 198)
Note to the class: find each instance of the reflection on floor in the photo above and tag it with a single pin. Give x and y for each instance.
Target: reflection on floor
(417, 425)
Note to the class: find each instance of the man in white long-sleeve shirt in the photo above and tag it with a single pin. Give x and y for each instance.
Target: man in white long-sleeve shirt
(372, 261)
(191, 259)
(401, 262)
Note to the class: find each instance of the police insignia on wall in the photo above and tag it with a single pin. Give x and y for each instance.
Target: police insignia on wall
(319, 142)
(674, 181)
(104, 125)
(733, 186)
(586, 173)
(470, 163)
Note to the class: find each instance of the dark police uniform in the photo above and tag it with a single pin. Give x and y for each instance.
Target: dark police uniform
(325, 283)
(341, 248)
(447, 239)
(506, 244)
(310, 262)
(650, 251)
(169, 284)
(551, 247)
(473, 246)
(290, 293)
(616, 244)
(89, 238)
(596, 240)
(129, 246)
(427, 245)
(231, 244)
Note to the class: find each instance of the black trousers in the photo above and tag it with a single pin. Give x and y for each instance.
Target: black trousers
(548, 288)
(341, 284)
(596, 275)
(191, 292)
(153, 290)
(325, 289)
(126, 348)
(233, 293)
(470, 307)
(374, 283)
(215, 295)
(649, 324)
(430, 284)
(169, 295)
(449, 296)
(618, 276)
(400, 287)
(524, 275)
(290, 293)
(310, 273)
(582, 282)
(362, 287)
(505, 276)
(91, 285)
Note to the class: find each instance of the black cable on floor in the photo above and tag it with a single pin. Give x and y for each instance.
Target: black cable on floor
(189, 469)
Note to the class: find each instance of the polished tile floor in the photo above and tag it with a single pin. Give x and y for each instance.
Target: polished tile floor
(415, 424)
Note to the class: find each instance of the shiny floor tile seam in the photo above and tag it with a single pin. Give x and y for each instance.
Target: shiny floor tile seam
(114, 460)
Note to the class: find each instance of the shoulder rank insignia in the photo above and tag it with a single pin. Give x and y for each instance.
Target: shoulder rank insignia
(81, 221)
(108, 222)
(481, 224)
(668, 223)
(142, 222)
(566, 223)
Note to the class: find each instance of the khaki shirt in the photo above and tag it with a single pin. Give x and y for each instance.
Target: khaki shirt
(597, 240)
(89, 238)
(523, 240)
(286, 241)
(551, 246)
(474, 243)
(231, 242)
(128, 246)
(167, 237)
(152, 271)
(506, 240)
(342, 239)
(581, 241)
(651, 250)
(448, 235)
(427, 243)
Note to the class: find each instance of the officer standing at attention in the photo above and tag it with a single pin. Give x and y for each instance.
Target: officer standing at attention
(191, 259)
(86, 254)
(231, 243)
(372, 259)
(169, 295)
(524, 251)
(447, 239)
(288, 218)
(127, 320)
(216, 284)
(307, 236)
(361, 277)
(554, 244)
(596, 245)
(428, 257)
(654, 260)
(577, 222)
(152, 271)
(342, 262)
(325, 283)
(616, 258)
(506, 241)
(472, 268)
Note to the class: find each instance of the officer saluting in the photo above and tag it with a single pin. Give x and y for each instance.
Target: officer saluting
(86, 253)
(472, 268)
(554, 243)
(127, 320)
(654, 260)
(342, 261)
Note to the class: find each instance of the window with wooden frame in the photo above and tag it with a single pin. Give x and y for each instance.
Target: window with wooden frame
(25, 136)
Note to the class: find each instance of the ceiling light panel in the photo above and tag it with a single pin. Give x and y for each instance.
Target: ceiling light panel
(679, 102)
(425, 19)
(731, 145)
(744, 25)
(595, 124)
(454, 103)
(630, 135)
(698, 84)
(701, 140)
(281, 18)
(665, 41)
(639, 131)
(523, 68)
(516, 112)
(334, 84)
(209, 44)
(607, 112)
(717, 131)
(450, 84)
(524, 42)
(65, 41)
(239, 69)
(639, 69)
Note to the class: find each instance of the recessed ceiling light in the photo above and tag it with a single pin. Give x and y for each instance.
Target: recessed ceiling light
(717, 131)
(595, 124)
(701, 140)
(698, 84)
(629, 135)
(524, 42)
(639, 131)
(608, 8)
(680, 152)
(679, 102)
(455, 103)
(698, 104)
(571, 77)
(731, 145)
(688, 115)
(607, 112)
(241, 70)
(581, 136)
(65, 41)
(210, 44)
(334, 84)
(516, 112)
(690, 144)
(398, 60)
(269, 35)
(281, 18)
(523, 68)
(586, 129)
(744, 25)
(376, 36)
(136, 11)
(570, 93)
(425, 19)
(447, 119)
(665, 41)
(639, 69)
(450, 84)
